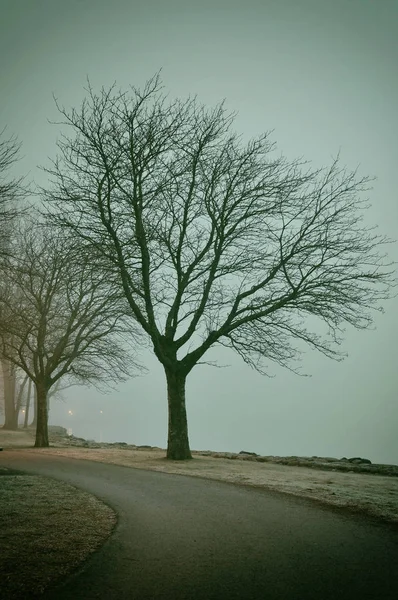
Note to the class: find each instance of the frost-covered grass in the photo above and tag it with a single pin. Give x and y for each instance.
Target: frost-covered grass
(47, 528)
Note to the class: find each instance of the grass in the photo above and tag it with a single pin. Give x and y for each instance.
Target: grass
(47, 528)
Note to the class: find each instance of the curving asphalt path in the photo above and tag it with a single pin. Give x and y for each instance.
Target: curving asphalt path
(186, 538)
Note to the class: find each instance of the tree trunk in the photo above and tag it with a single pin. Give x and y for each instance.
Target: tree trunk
(26, 421)
(42, 417)
(177, 443)
(34, 421)
(18, 403)
(10, 412)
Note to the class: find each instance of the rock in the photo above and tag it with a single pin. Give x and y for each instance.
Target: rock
(248, 453)
(359, 461)
(120, 445)
(57, 430)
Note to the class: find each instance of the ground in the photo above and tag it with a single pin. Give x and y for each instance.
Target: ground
(47, 529)
(373, 494)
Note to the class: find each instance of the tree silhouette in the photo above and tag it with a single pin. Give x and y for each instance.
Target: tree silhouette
(61, 318)
(214, 241)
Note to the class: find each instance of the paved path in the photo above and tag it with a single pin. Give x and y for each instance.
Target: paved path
(187, 538)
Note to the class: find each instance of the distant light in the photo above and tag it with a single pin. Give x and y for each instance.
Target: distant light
(101, 412)
(70, 412)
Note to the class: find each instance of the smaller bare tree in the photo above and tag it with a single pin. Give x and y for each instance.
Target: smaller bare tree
(12, 194)
(27, 405)
(9, 385)
(61, 318)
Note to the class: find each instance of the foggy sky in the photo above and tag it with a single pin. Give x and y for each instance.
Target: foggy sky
(323, 76)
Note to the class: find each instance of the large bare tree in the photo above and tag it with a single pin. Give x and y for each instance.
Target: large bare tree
(61, 317)
(215, 241)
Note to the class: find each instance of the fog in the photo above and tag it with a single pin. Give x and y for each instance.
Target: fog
(323, 76)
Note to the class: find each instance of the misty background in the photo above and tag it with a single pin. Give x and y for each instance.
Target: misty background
(323, 76)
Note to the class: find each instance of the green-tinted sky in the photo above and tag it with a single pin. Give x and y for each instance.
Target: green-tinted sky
(323, 74)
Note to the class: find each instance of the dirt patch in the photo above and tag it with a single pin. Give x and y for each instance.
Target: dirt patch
(47, 528)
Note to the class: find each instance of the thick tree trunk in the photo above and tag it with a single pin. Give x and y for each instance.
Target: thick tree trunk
(42, 417)
(177, 443)
(26, 421)
(10, 412)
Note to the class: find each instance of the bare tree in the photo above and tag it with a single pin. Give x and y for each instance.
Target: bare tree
(12, 194)
(8, 372)
(14, 383)
(61, 318)
(27, 405)
(55, 393)
(215, 241)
